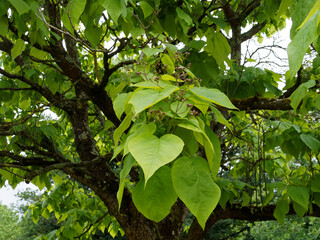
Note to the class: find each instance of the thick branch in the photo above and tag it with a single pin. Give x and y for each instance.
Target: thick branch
(250, 213)
(249, 8)
(254, 30)
(259, 103)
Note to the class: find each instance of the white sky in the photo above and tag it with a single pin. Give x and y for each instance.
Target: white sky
(7, 194)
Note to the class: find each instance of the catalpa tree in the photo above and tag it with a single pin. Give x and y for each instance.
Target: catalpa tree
(137, 115)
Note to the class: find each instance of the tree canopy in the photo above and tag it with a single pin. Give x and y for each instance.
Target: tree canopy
(137, 115)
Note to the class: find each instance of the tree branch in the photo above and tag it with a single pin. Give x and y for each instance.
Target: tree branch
(254, 30)
(259, 103)
(236, 211)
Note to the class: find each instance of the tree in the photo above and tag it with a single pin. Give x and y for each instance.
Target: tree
(8, 222)
(152, 106)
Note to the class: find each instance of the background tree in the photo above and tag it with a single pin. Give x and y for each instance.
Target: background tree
(140, 102)
(8, 222)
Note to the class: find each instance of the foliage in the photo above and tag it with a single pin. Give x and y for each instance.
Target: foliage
(137, 100)
(8, 223)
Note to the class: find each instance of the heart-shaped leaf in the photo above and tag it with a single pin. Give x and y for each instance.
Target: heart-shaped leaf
(194, 185)
(155, 199)
(152, 152)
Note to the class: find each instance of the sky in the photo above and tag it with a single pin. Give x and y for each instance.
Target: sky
(7, 194)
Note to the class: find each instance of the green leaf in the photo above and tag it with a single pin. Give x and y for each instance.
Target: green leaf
(180, 108)
(93, 34)
(218, 47)
(299, 195)
(18, 48)
(74, 9)
(221, 118)
(137, 131)
(145, 98)
(166, 60)
(127, 165)
(300, 211)
(20, 5)
(151, 51)
(49, 130)
(155, 198)
(123, 126)
(114, 8)
(213, 95)
(245, 199)
(300, 93)
(197, 44)
(300, 43)
(24, 104)
(285, 4)
(152, 153)
(37, 53)
(190, 143)
(281, 210)
(146, 9)
(184, 16)
(314, 9)
(118, 104)
(315, 183)
(192, 181)
(311, 142)
(4, 26)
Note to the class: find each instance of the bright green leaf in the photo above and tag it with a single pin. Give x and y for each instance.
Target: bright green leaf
(213, 95)
(18, 48)
(314, 9)
(152, 153)
(151, 51)
(166, 60)
(192, 181)
(145, 98)
(155, 198)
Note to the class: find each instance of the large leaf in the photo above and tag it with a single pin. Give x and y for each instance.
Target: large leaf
(311, 142)
(194, 185)
(281, 210)
(300, 43)
(114, 8)
(72, 13)
(300, 93)
(146, 8)
(154, 200)
(145, 98)
(20, 5)
(314, 9)
(206, 137)
(218, 47)
(299, 195)
(152, 152)
(213, 95)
